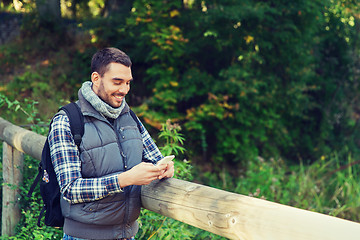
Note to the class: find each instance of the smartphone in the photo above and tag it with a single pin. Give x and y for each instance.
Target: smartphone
(165, 160)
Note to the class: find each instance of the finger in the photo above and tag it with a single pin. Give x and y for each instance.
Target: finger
(147, 164)
(168, 165)
(161, 167)
(168, 173)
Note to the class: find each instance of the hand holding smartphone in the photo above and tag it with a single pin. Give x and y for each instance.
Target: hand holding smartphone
(165, 160)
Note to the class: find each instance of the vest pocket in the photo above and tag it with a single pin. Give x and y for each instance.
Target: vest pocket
(106, 213)
(129, 133)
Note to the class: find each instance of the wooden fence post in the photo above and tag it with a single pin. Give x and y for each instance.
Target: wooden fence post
(227, 214)
(12, 177)
(241, 217)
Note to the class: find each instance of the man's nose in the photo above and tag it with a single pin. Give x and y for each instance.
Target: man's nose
(124, 88)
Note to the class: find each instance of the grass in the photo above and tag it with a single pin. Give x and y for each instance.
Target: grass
(330, 185)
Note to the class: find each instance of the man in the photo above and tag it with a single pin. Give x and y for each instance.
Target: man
(100, 182)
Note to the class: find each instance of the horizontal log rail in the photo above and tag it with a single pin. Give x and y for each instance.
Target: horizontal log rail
(227, 214)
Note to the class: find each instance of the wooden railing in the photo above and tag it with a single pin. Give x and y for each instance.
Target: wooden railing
(227, 214)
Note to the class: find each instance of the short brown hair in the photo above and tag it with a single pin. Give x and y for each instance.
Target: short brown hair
(104, 57)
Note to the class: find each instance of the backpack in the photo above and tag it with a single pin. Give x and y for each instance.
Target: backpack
(49, 187)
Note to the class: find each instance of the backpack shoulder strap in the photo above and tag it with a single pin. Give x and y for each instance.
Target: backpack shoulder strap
(133, 115)
(76, 119)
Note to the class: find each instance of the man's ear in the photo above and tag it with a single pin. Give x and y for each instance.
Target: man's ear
(95, 79)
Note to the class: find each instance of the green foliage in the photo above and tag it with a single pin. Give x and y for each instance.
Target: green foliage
(49, 78)
(172, 142)
(28, 229)
(173, 139)
(277, 79)
(153, 225)
(156, 226)
(329, 185)
(244, 78)
(27, 108)
(251, 70)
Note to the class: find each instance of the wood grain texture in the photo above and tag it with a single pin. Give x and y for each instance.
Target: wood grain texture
(13, 161)
(22, 139)
(241, 217)
(224, 213)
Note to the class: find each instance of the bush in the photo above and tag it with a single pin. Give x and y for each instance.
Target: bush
(328, 185)
(247, 78)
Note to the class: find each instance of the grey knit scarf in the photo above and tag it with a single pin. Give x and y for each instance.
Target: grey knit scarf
(99, 105)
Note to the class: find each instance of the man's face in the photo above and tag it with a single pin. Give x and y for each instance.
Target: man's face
(114, 85)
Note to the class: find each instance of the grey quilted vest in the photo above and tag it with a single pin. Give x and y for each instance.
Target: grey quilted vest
(106, 149)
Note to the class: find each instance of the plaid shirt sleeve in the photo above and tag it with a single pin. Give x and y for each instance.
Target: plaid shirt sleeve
(151, 151)
(67, 165)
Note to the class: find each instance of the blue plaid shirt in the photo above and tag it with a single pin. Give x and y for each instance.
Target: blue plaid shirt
(67, 164)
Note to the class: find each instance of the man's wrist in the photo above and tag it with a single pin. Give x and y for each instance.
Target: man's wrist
(123, 180)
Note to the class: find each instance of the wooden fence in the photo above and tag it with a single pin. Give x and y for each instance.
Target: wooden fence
(227, 214)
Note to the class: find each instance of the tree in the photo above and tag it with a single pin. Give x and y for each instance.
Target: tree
(121, 7)
(49, 11)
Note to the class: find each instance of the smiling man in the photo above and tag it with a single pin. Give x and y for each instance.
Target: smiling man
(112, 85)
(100, 182)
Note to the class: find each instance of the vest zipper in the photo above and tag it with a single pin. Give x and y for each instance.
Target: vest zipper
(126, 189)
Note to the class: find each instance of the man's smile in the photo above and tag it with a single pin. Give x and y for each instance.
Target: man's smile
(119, 97)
